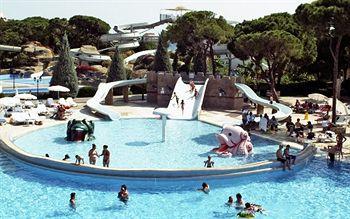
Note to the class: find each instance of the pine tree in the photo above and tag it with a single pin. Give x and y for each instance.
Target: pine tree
(64, 73)
(116, 71)
(161, 59)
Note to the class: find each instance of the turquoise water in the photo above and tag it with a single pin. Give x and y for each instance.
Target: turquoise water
(317, 191)
(136, 143)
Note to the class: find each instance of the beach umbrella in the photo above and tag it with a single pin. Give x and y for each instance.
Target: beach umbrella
(9, 101)
(59, 89)
(318, 97)
(25, 97)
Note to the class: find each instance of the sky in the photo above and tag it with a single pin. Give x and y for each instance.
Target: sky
(122, 12)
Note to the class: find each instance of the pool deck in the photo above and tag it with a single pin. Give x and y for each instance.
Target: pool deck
(141, 109)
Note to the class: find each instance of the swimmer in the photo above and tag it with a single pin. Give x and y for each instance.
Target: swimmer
(230, 201)
(93, 155)
(47, 155)
(106, 155)
(208, 163)
(205, 188)
(78, 160)
(123, 194)
(253, 208)
(66, 157)
(239, 201)
(72, 201)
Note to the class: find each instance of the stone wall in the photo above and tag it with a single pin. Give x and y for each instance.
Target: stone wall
(220, 93)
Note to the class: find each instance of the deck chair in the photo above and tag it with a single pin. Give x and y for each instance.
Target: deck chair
(50, 102)
(71, 102)
(28, 104)
(41, 109)
(20, 118)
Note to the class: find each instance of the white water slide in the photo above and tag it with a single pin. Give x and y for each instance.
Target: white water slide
(192, 103)
(283, 111)
(103, 88)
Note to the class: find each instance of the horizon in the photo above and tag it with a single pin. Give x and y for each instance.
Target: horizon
(235, 10)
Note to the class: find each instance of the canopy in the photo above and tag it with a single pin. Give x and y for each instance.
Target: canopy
(26, 96)
(58, 88)
(318, 97)
(9, 101)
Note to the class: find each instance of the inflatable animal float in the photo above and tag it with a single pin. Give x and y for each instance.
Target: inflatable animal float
(80, 130)
(233, 140)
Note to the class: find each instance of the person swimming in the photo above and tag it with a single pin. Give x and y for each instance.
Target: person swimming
(230, 201)
(205, 188)
(239, 201)
(72, 201)
(66, 157)
(209, 163)
(123, 194)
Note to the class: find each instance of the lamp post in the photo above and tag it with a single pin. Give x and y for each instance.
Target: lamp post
(37, 80)
(13, 75)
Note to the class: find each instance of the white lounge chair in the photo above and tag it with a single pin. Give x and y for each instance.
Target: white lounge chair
(71, 102)
(20, 118)
(50, 102)
(342, 120)
(41, 109)
(28, 104)
(63, 102)
(33, 116)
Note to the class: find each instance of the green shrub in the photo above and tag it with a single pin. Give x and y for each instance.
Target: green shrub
(86, 92)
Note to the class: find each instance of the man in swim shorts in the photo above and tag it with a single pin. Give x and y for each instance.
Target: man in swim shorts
(208, 163)
(280, 157)
(93, 155)
(106, 155)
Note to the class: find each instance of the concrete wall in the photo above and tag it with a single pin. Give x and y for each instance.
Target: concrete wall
(220, 93)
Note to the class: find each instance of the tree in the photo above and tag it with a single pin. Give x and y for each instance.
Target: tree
(86, 30)
(116, 71)
(64, 73)
(55, 31)
(328, 18)
(161, 59)
(197, 32)
(273, 43)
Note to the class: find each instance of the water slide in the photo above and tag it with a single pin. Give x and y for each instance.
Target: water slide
(192, 104)
(134, 56)
(103, 88)
(283, 111)
(10, 48)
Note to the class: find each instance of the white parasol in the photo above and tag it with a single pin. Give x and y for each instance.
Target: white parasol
(59, 89)
(25, 97)
(318, 97)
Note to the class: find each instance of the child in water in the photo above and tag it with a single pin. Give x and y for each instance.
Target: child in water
(205, 188)
(209, 163)
(123, 194)
(78, 160)
(72, 201)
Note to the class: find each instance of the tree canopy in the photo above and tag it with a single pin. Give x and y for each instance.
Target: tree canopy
(274, 44)
(64, 73)
(116, 71)
(161, 59)
(328, 18)
(196, 33)
(81, 30)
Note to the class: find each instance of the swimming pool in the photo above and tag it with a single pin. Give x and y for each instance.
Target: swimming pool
(314, 192)
(136, 143)
(23, 85)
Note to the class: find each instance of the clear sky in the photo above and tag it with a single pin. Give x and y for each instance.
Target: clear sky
(117, 12)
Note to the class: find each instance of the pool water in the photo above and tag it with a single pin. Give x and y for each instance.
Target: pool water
(136, 143)
(316, 191)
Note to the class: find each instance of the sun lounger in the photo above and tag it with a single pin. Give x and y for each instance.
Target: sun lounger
(33, 116)
(63, 102)
(71, 102)
(28, 104)
(41, 109)
(328, 136)
(20, 118)
(50, 102)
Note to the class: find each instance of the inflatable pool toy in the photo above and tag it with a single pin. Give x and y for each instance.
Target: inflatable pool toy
(233, 140)
(80, 130)
(245, 214)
